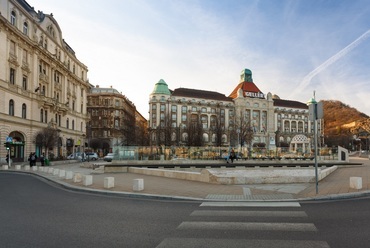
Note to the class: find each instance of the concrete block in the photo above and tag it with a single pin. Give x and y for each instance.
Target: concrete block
(18, 167)
(69, 175)
(108, 182)
(34, 168)
(50, 170)
(5, 167)
(56, 172)
(77, 177)
(27, 167)
(355, 182)
(87, 180)
(138, 184)
(62, 173)
(41, 169)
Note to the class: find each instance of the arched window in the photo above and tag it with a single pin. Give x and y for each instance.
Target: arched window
(205, 138)
(13, 18)
(24, 111)
(11, 107)
(25, 28)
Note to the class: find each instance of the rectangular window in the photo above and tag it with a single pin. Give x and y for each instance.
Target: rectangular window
(117, 103)
(12, 48)
(174, 108)
(163, 107)
(183, 118)
(174, 117)
(24, 83)
(184, 109)
(12, 76)
(25, 56)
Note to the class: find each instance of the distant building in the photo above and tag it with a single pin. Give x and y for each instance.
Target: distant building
(42, 83)
(112, 119)
(274, 122)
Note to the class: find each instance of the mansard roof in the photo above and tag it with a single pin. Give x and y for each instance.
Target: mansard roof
(289, 104)
(246, 87)
(203, 94)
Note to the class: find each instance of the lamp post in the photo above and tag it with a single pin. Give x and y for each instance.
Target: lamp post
(312, 104)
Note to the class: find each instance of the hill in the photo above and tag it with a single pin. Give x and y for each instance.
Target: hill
(336, 114)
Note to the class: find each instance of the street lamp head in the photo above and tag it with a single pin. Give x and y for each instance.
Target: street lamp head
(311, 101)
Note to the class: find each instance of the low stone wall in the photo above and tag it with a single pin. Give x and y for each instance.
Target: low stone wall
(241, 176)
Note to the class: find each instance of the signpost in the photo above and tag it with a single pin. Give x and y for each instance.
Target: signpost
(315, 112)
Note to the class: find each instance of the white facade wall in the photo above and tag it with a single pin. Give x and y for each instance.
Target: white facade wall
(46, 62)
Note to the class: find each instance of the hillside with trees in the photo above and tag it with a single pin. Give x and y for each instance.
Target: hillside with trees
(337, 114)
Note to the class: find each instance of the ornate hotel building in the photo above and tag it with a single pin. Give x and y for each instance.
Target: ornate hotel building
(42, 83)
(274, 122)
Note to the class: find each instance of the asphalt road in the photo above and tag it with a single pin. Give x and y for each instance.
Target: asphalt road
(38, 213)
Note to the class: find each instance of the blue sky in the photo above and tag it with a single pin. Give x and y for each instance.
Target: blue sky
(292, 47)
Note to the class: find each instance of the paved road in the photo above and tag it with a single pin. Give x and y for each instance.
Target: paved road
(37, 213)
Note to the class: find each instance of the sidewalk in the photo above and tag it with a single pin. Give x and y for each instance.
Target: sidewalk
(336, 185)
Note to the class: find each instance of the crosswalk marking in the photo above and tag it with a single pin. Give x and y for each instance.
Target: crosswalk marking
(250, 204)
(239, 243)
(255, 226)
(249, 213)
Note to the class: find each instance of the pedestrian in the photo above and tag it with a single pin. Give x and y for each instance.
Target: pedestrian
(32, 159)
(232, 155)
(42, 159)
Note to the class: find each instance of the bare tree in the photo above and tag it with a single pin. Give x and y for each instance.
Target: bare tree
(243, 129)
(47, 138)
(217, 127)
(194, 130)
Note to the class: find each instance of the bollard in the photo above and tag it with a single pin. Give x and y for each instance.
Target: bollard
(108, 182)
(77, 177)
(62, 173)
(138, 185)
(69, 174)
(355, 182)
(87, 180)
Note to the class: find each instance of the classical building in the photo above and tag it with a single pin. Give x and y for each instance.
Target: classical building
(112, 119)
(42, 83)
(274, 122)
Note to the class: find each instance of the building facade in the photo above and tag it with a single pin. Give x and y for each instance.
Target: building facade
(112, 119)
(274, 122)
(42, 83)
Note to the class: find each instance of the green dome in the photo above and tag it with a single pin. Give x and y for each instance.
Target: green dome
(161, 88)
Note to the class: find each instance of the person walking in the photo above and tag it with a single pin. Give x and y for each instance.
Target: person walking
(32, 159)
(42, 159)
(232, 155)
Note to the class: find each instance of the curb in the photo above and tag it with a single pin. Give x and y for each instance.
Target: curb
(74, 188)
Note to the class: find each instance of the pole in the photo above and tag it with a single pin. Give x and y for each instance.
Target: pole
(9, 158)
(315, 140)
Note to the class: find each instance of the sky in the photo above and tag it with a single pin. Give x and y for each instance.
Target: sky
(294, 48)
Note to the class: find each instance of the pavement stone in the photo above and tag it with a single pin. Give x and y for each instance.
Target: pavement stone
(336, 185)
